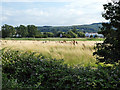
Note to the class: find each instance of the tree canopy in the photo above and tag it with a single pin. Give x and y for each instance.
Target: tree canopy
(109, 50)
(7, 31)
(32, 31)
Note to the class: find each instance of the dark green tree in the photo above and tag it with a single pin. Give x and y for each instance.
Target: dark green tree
(7, 31)
(22, 31)
(0, 34)
(55, 32)
(49, 34)
(32, 30)
(75, 30)
(38, 34)
(109, 50)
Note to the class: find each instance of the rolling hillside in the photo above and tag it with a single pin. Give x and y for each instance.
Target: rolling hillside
(84, 28)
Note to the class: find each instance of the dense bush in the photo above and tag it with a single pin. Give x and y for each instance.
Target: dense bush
(30, 70)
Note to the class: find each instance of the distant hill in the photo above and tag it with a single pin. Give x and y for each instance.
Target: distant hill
(83, 28)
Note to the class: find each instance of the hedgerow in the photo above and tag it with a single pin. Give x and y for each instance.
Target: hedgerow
(30, 70)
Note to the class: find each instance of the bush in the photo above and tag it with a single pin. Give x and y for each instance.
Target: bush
(81, 34)
(38, 36)
(32, 70)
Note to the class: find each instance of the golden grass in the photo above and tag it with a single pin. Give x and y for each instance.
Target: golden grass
(72, 54)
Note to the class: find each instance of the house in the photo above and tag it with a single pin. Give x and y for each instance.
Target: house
(87, 35)
(93, 35)
(17, 35)
(60, 35)
(100, 35)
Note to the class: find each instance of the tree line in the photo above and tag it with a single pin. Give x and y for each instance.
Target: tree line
(90, 28)
(32, 31)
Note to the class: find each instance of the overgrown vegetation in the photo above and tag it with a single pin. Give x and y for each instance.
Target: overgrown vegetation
(31, 70)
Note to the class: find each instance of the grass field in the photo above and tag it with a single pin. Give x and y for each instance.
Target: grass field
(57, 39)
(22, 68)
(81, 53)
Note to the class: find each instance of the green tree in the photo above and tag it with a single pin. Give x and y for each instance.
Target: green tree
(7, 31)
(22, 31)
(68, 36)
(109, 50)
(58, 33)
(81, 34)
(63, 34)
(75, 30)
(32, 30)
(72, 34)
(0, 34)
(49, 34)
(38, 34)
(17, 30)
(55, 32)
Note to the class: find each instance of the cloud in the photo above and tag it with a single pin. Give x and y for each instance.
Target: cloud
(0, 15)
(72, 13)
(37, 0)
(52, 0)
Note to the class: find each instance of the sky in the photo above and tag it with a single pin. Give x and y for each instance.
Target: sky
(51, 12)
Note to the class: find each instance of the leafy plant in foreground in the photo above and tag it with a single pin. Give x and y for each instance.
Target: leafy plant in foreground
(32, 70)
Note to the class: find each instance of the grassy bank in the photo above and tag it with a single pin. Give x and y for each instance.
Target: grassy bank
(56, 39)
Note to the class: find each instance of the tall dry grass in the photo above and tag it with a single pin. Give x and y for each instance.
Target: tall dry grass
(72, 54)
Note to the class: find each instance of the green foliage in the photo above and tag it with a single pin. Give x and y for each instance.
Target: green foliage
(75, 30)
(7, 31)
(49, 34)
(22, 31)
(38, 34)
(81, 34)
(81, 28)
(109, 50)
(72, 34)
(0, 34)
(68, 36)
(31, 70)
(32, 29)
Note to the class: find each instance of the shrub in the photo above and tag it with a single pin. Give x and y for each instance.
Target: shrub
(32, 70)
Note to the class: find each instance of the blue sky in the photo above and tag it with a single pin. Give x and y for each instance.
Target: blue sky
(54, 13)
